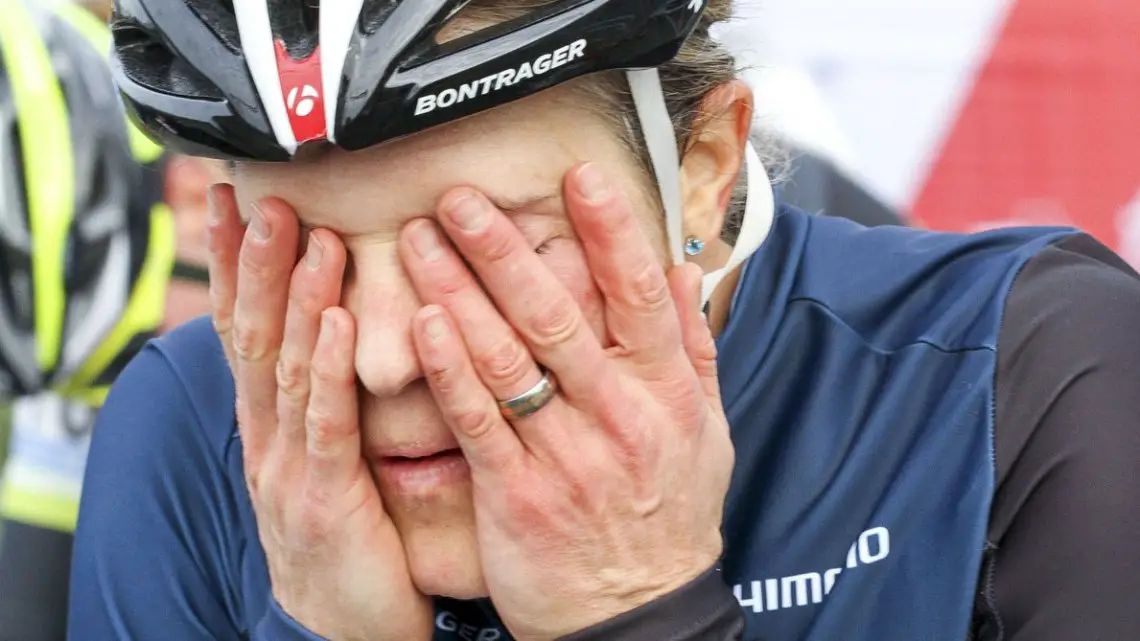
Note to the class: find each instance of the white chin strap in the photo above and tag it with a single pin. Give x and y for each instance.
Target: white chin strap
(661, 140)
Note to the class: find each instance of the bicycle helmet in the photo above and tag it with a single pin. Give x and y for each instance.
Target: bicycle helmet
(256, 79)
(86, 245)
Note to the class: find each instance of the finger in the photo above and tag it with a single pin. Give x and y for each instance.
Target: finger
(332, 428)
(488, 442)
(224, 235)
(268, 254)
(315, 286)
(529, 296)
(500, 358)
(640, 314)
(700, 347)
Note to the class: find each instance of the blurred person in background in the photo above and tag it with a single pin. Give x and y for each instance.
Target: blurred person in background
(93, 216)
(819, 173)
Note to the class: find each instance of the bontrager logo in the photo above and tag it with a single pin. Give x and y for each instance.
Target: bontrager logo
(803, 589)
(506, 78)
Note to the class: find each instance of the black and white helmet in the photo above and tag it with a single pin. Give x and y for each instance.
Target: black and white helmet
(256, 79)
(86, 243)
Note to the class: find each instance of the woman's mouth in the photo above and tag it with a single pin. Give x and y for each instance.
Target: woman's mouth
(423, 474)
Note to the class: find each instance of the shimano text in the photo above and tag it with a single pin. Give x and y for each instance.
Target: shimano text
(804, 589)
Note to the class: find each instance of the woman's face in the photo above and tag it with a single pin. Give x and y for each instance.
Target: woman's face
(518, 156)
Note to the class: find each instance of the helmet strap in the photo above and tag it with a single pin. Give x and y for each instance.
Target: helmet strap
(661, 141)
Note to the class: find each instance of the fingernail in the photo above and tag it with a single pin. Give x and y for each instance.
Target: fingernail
(314, 253)
(593, 183)
(436, 328)
(470, 213)
(425, 241)
(259, 224)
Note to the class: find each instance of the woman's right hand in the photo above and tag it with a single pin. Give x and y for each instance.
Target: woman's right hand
(336, 561)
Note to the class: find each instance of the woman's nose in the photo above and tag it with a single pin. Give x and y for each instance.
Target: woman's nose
(386, 359)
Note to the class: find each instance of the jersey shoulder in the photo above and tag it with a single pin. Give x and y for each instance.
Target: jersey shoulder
(198, 364)
(897, 286)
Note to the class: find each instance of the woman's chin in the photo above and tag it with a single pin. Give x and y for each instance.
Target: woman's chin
(443, 555)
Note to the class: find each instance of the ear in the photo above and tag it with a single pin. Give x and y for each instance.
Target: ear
(714, 158)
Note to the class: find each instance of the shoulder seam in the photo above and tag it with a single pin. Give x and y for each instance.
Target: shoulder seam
(183, 389)
(1057, 237)
(878, 349)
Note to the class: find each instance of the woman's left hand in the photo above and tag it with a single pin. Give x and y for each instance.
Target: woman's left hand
(612, 494)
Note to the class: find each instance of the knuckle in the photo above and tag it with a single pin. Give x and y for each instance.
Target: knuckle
(526, 507)
(305, 297)
(520, 496)
(582, 492)
(247, 340)
(474, 422)
(556, 323)
(442, 379)
(450, 284)
(328, 374)
(223, 321)
(506, 363)
(497, 247)
(292, 378)
(704, 355)
(253, 476)
(312, 524)
(323, 429)
(265, 490)
(649, 289)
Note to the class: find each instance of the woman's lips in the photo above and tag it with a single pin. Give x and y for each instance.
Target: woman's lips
(419, 475)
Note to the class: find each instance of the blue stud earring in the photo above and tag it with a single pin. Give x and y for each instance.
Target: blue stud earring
(694, 245)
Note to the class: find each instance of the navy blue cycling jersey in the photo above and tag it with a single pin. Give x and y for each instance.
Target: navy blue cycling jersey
(858, 374)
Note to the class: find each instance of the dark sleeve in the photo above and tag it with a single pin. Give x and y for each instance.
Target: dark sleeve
(1064, 537)
(703, 610)
(156, 511)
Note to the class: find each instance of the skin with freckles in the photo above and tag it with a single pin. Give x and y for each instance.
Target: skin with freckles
(366, 197)
(435, 319)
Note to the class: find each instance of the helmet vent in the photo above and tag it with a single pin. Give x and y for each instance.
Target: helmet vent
(150, 63)
(219, 17)
(296, 23)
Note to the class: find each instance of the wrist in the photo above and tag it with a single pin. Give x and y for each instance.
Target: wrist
(703, 608)
(279, 625)
(613, 601)
(663, 581)
(305, 615)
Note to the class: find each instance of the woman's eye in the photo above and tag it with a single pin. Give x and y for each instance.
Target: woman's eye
(544, 247)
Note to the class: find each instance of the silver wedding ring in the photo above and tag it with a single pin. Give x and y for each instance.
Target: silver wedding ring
(531, 400)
